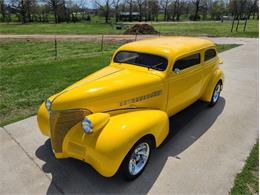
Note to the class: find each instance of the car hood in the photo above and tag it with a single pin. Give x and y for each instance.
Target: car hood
(106, 89)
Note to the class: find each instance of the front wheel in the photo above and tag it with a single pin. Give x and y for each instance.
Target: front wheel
(216, 94)
(136, 160)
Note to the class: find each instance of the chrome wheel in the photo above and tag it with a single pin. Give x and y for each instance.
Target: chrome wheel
(139, 158)
(216, 93)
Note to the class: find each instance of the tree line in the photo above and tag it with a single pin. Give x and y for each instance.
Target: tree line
(141, 10)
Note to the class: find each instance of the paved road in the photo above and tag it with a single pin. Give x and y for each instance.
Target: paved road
(203, 155)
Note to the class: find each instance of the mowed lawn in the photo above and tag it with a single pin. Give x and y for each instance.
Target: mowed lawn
(30, 73)
(217, 29)
(208, 28)
(61, 28)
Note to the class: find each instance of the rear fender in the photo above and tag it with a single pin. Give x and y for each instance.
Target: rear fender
(216, 76)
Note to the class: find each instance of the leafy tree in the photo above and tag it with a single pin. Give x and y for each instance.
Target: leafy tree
(105, 6)
(217, 10)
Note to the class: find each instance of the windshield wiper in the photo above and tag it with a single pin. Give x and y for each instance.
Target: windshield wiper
(154, 66)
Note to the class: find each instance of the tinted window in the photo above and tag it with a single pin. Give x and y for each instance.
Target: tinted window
(187, 62)
(141, 59)
(209, 54)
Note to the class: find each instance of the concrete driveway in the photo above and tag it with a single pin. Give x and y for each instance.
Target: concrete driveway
(202, 155)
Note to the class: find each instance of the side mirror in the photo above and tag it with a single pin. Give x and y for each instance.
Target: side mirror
(177, 70)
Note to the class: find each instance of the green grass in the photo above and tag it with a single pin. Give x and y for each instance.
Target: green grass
(247, 182)
(193, 29)
(30, 74)
(225, 47)
(209, 29)
(62, 28)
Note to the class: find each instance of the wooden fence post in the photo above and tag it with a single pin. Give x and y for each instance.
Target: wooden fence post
(102, 43)
(55, 48)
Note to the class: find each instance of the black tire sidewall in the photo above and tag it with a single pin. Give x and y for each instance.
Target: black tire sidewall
(212, 103)
(124, 169)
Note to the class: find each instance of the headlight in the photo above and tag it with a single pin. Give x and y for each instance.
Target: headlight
(48, 105)
(87, 125)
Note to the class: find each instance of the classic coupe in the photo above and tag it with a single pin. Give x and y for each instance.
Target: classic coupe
(115, 117)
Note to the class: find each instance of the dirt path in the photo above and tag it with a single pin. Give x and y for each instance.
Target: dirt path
(110, 38)
(107, 38)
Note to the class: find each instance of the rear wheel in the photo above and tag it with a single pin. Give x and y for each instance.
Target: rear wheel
(216, 94)
(136, 159)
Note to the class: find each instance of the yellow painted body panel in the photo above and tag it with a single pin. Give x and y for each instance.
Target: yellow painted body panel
(105, 149)
(127, 102)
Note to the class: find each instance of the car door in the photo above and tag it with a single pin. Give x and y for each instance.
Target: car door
(210, 60)
(184, 82)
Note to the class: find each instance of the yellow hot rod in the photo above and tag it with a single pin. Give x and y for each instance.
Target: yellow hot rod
(113, 118)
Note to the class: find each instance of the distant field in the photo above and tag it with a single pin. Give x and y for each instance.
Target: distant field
(62, 28)
(217, 29)
(30, 73)
(194, 29)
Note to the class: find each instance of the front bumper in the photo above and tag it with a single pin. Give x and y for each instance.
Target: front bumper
(69, 140)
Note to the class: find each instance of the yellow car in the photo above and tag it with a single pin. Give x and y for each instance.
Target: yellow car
(113, 118)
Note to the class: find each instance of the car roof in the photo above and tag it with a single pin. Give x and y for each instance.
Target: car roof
(168, 46)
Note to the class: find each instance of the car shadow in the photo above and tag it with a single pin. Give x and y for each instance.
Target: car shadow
(74, 176)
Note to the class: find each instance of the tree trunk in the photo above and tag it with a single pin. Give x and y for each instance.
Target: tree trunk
(196, 10)
(107, 12)
(131, 11)
(117, 15)
(55, 10)
(165, 12)
(3, 10)
(140, 12)
(55, 15)
(23, 12)
(29, 12)
(238, 19)
(178, 11)
(234, 17)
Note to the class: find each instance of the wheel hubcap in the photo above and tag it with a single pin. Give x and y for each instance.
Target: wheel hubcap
(139, 158)
(216, 93)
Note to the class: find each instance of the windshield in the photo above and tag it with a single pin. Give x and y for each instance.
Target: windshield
(141, 59)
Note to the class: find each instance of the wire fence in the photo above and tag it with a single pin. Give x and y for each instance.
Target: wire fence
(46, 48)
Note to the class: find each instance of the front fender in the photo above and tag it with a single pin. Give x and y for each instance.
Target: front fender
(106, 149)
(43, 120)
(216, 76)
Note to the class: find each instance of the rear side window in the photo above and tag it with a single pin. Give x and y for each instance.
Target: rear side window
(209, 54)
(187, 62)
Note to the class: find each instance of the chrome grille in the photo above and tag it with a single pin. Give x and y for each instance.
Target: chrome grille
(61, 122)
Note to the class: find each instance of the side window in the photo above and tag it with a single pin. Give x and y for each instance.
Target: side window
(187, 62)
(209, 54)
